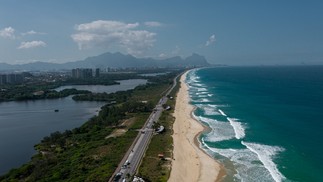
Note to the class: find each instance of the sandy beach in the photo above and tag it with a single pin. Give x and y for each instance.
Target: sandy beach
(190, 163)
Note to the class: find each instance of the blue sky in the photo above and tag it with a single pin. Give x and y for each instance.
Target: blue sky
(241, 32)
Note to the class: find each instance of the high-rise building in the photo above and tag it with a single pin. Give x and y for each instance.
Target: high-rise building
(11, 78)
(97, 72)
(3, 79)
(74, 73)
(82, 73)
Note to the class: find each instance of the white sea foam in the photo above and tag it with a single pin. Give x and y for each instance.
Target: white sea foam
(202, 100)
(201, 89)
(192, 77)
(220, 130)
(194, 80)
(248, 165)
(200, 93)
(223, 114)
(238, 128)
(198, 85)
(265, 154)
(202, 96)
(190, 87)
(209, 111)
(205, 100)
(213, 105)
(200, 105)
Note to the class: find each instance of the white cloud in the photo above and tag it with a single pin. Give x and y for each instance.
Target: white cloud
(32, 32)
(31, 44)
(118, 34)
(8, 32)
(210, 41)
(153, 24)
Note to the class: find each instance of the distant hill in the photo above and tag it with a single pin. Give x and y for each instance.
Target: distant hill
(115, 60)
(5, 66)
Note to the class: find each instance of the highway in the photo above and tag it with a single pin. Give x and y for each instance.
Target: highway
(131, 160)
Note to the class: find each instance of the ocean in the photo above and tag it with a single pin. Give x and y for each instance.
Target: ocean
(265, 123)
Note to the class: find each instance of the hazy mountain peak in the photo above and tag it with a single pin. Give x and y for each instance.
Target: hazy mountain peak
(117, 60)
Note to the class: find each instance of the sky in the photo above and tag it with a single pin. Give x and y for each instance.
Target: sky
(232, 32)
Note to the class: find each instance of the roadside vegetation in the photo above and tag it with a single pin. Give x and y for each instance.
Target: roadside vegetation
(156, 165)
(93, 151)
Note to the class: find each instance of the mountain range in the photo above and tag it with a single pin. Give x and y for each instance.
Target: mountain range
(113, 60)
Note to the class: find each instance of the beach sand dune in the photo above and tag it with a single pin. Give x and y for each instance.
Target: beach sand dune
(189, 163)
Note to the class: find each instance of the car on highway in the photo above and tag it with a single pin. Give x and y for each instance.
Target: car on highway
(117, 176)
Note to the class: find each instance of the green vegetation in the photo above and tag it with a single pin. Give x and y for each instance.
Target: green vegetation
(44, 90)
(93, 151)
(120, 96)
(154, 168)
(19, 93)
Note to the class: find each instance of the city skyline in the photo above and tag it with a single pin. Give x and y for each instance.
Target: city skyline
(231, 32)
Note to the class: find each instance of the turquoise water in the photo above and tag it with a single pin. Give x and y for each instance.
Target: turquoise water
(266, 122)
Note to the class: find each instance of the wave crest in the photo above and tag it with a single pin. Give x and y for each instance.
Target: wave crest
(238, 128)
(265, 154)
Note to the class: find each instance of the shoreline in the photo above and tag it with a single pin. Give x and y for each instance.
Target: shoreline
(197, 142)
(190, 162)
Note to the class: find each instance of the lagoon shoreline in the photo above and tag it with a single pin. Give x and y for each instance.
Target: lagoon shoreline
(190, 162)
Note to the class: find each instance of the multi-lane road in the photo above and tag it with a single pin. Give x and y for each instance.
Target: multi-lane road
(131, 160)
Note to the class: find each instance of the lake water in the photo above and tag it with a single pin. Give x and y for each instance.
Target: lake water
(124, 85)
(24, 124)
(154, 74)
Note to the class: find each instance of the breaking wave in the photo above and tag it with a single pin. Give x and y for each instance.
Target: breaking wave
(221, 130)
(222, 113)
(238, 128)
(265, 154)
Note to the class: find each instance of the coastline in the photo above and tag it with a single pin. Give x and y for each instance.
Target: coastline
(190, 162)
(221, 172)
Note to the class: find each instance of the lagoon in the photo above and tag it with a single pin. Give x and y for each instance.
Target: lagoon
(123, 85)
(24, 124)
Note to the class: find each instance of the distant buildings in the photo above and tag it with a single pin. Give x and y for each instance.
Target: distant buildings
(97, 72)
(3, 79)
(11, 78)
(82, 73)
